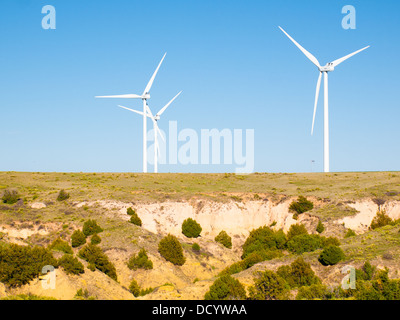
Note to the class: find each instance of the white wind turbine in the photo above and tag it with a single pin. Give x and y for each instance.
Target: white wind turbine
(145, 96)
(323, 70)
(156, 129)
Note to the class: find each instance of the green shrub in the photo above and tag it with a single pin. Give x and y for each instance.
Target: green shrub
(269, 286)
(314, 292)
(350, 233)
(171, 249)
(301, 205)
(10, 197)
(251, 260)
(226, 288)
(190, 228)
(97, 258)
(304, 243)
(95, 239)
(71, 265)
(135, 289)
(320, 227)
(366, 272)
(91, 227)
(135, 220)
(83, 295)
(140, 261)
(195, 247)
(296, 230)
(298, 274)
(77, 239)
(131, 211)
(263, 239)
(380, 220)
(62, 195)
(327, 241)
(331, 255)
(224, 239)
(21, 264)
(60, 245)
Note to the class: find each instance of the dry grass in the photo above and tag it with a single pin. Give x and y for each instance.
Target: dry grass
(218, 187)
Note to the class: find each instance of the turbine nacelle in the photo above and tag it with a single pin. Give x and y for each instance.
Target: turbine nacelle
(327, 68)
(146, 96)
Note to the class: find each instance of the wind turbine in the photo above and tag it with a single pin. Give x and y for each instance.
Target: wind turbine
(323, 70)
(145, 96)
(156, 129)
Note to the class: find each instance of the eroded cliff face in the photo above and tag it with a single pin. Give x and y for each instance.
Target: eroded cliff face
(367, 210)
(238, 218)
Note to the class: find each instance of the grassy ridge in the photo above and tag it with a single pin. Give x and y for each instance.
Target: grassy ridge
(181, 186)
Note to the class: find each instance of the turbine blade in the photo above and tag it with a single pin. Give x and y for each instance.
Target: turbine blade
(150, 114)
(307, 54)
(167, 105)
(156, 129)
(159, 132)
(316, 101)
(158, 149)
(122, 96)
(149, 85)
(339, 61)
(138, 112)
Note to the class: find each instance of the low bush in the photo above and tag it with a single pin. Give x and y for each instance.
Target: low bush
(171, 249)
(331, 255)
(250, 260)
(62, 195)
(71, 265)
(301, 205)
(135, 289)
(195, 247)
(95, 239)
(130, 211)
(298, 274)
(350, 233)
(190, 228)
(296, 230)
(78, 238)
(91, 227)
(140, 261)
(320, 227)
(21, 264)
(263, 239)
(226, 288)
(380, 220)
(269, 286)
(10, 196)
(97, 258)
(224, 239)
(60, 245)
(135, 220)
(314, 292)
(304, 243)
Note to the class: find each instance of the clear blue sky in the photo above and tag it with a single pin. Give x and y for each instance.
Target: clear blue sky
(237, 70)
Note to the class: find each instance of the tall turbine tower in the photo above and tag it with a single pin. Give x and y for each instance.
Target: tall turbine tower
(323, 70)
(145, 96)
(155, 126)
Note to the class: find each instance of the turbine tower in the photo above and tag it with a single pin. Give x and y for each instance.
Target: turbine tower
(145, 96)
(155, 126)
(323, 70)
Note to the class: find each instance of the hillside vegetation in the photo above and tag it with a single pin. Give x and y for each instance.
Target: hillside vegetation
(99, 252)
